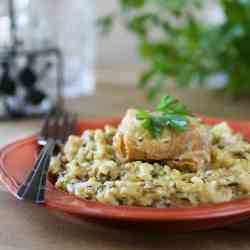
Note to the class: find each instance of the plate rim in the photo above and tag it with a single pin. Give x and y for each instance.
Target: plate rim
(237, 207)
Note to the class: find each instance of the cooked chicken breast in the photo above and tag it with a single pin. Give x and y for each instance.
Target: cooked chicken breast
(189, 149)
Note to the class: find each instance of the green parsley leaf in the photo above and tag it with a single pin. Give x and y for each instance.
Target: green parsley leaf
(177, 122)
(166, 102)
(142, 114)
(170, 113)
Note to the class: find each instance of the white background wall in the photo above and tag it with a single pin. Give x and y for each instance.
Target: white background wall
(119, 48)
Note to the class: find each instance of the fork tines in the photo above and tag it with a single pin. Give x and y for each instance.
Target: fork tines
(55, 131)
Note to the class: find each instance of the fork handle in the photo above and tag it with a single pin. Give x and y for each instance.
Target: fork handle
(40, 198)
(31, 187)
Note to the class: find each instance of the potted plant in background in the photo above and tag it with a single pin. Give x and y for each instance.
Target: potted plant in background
(176, 42)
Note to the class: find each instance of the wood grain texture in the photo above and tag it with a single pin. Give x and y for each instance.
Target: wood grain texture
(25, 226)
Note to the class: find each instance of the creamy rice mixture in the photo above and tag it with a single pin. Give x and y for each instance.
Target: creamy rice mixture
(87, 167)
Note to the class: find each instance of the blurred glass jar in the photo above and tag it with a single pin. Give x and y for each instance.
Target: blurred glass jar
(70, 26)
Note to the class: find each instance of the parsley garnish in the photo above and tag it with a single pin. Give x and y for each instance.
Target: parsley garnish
(170, 113)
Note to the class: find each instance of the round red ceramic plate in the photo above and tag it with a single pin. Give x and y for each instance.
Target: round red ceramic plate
(16, 161)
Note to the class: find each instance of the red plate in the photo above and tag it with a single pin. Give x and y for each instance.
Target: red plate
(16, 161)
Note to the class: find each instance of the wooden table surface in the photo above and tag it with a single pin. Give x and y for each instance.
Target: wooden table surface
(24, 226)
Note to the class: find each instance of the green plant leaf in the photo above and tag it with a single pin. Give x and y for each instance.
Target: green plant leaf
(174, 43)
(145, 77)
(155, 89)
(166, 102)
(177, 122)
(142, 114)
(132, 4)
(140, 24)
(105, 23)
(169, 113)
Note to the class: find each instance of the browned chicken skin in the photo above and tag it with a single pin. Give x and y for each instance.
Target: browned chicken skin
(189, 149)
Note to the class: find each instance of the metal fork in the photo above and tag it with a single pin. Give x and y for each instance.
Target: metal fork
(57, 127)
